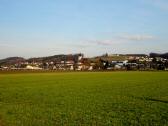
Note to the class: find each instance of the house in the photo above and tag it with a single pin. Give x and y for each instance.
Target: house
(69, 63)
(90, 68)
(118, 64)
(28, 67)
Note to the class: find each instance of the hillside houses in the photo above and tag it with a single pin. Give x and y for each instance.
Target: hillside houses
(78, 62)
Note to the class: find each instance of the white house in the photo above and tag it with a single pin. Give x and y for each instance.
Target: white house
(28, 67)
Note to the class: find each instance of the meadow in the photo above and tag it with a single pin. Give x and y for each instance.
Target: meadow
(84, 98)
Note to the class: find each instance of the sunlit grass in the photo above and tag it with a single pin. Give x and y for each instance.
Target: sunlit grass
(83, 98)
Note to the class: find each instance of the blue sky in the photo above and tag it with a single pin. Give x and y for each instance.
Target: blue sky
(32, 28)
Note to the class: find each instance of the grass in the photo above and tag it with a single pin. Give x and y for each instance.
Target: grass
(83, 98)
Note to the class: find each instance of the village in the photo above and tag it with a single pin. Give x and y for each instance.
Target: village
(77, 62)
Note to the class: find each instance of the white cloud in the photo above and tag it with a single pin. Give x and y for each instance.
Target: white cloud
(107, 42)
(122, 39)
(137, 37)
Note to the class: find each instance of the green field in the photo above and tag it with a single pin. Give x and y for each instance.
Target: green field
(83, 98)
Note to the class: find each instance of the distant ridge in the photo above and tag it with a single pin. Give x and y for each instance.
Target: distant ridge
(55, 58)
(68, 57)
(12, 60)
(164, 55)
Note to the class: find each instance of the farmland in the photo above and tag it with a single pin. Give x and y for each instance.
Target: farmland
(84, 98)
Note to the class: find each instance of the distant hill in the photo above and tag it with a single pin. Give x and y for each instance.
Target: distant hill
(117, 57)
(12, 60)
(164, 55)
(55, 58)
(74, 57)
(138, 55)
